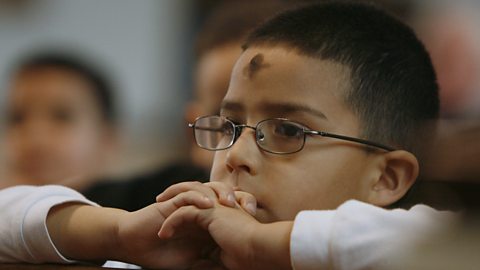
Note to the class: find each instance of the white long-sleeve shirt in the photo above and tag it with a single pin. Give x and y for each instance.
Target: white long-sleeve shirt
(24, 235)
(23, 232)
(355, 236)
(358, 235)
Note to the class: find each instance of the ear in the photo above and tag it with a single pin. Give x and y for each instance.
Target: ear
(398, 173)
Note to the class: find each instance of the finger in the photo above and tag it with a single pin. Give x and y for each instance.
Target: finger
(191, 197)
(176, 189)
(225, 193)
(247, 201)
(229, 261)
(206, 265)
(184, 215)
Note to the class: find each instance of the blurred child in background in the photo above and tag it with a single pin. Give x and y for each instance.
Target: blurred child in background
(59, 122)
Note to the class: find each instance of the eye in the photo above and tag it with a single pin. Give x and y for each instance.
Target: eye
(227, 128)
(15, 118)
(288, 129)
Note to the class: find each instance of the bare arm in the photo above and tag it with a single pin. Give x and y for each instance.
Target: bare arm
(95, 234)
(83, 232)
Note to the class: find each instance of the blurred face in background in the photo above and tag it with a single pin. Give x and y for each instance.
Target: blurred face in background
(212, 76)
(55, 132)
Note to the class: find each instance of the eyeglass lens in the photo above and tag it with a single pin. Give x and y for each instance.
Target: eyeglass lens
(214, 133)
(273, 135)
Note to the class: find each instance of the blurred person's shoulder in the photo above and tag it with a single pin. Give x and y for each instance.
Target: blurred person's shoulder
(139, 191)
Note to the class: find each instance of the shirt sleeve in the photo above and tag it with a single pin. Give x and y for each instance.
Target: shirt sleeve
(358, 235)
(23, 232)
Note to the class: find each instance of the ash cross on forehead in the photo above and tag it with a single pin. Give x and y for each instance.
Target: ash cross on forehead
(255, 64)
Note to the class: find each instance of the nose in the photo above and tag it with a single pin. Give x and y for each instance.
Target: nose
(243, 155)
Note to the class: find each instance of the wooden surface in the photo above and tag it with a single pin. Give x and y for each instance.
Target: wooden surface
(49, 266)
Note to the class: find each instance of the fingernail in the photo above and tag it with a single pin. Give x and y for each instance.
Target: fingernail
(251, 208)
(231, 199)
(165, 235)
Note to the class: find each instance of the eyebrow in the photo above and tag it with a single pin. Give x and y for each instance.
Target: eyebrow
(231, 106)
(292, 108)
(275, 108)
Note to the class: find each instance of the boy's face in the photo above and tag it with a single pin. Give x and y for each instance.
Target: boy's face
(283, 84)
(54, 129)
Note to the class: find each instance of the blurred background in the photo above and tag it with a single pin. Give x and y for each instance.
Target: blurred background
(143, 46)
(146, 49)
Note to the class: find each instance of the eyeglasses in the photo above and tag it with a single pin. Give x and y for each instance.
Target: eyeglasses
(276, 135)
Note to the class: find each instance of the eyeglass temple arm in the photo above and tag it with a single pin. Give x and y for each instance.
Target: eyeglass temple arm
(204, 128)
(352, 139)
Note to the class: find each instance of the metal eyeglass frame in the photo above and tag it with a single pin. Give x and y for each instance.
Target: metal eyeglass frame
(237, 129)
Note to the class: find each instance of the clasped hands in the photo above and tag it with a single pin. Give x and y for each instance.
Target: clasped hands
(203, 226)
(191, 226)
(214, 221)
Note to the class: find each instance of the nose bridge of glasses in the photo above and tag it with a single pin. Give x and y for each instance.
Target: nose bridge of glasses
(240, 128)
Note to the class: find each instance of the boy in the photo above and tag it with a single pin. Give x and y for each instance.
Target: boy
(337, 58)
(59, 123)
(324, 105)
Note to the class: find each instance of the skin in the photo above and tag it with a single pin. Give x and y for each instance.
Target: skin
(253, 245)
(101, 230)
(274, 180)
(323, 175)
(112, 234)
(55, 132)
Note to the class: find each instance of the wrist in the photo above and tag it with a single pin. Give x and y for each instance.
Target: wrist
(114, 244)
(83, 232)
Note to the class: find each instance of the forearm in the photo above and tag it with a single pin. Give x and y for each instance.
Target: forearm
(85, 233)
(272, 244)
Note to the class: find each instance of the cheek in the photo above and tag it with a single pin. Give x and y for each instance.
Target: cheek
(79, 146)
(296, 190)
(315, 183)
(282, 193)
(11, 144)
(297, 187)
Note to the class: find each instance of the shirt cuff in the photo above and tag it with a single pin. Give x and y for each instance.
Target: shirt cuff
(34, 228)
(309, 241)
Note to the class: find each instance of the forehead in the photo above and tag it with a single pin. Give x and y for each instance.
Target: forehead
(281, 75)
(50, 84)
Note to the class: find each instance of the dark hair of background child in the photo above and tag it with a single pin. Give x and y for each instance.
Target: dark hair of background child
(102, 88)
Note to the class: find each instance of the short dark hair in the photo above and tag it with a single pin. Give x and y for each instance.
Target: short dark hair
(102, 89)
(231, 21)
(393, 92)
